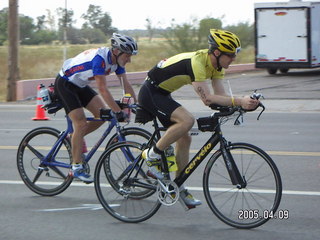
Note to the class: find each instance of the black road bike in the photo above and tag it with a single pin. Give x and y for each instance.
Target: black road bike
(241, 182)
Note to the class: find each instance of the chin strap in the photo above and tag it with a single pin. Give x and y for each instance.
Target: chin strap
(117, 56)
(219, 68)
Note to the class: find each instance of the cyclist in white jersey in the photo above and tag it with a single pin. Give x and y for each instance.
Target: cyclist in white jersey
(71, 86)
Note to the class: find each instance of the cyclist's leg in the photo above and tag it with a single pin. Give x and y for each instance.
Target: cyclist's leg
(80, 126)
(182, 152)
(182, 121)
(94, 107)
(169, 112)
(70, 97)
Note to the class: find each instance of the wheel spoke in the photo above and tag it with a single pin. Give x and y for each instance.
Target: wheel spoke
(59, 172)
(34, 151)
(39, 172)
(262, 191)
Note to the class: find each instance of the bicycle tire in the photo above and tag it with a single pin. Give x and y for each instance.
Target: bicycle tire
(131, 134)
(253, 205)
(136, 134)
(39, 178)
(126, 201)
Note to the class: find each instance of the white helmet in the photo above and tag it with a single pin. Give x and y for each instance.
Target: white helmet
(124, 43)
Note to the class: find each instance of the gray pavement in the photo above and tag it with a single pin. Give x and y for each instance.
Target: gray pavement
(293, 146)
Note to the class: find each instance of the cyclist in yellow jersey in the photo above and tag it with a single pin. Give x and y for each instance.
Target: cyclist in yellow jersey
(193, 68)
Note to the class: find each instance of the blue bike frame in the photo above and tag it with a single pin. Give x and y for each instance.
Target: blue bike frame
(49, 159)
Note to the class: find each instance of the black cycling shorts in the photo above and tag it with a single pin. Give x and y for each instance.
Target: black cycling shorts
(72, 96)
(158, 102)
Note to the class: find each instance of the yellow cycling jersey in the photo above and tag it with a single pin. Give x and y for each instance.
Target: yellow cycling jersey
(183, 69)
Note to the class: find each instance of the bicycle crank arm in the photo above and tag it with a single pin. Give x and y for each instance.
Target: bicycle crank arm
(168, 192)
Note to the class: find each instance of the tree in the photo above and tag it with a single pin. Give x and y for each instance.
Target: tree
(74, 36)
(3, 25)
(96, 19)
(182, 38)
(105, 25)
(92, 17)
(65, 18)
(40, 22)
(244, 31)
(188, 37)
(50, 21)
(204, 26)
(93, 35)
(41, 37)
(150, 29)
(26, 28)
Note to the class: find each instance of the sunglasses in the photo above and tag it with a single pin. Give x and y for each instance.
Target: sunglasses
(230, 55)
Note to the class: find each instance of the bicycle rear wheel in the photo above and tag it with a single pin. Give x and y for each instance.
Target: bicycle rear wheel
(37, 175)
(249, 206)
(122, 186)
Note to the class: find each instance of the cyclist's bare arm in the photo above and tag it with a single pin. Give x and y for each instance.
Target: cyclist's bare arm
(127, 86)
(219, 97)
(105, 93)
(218, 87)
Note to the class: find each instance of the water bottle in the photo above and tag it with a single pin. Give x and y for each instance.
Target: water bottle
(127, 99)
(44, 95)
(51, 88)
(171, 159)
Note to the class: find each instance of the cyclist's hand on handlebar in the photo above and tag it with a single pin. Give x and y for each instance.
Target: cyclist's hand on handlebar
(248, 103)
(121, 116)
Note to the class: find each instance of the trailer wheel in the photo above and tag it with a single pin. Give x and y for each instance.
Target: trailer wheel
(284, 70)
(272, 70)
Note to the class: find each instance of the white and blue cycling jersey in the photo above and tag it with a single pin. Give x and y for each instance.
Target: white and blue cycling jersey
(83, 67)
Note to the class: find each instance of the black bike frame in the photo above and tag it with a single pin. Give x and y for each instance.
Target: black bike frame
(213, 141)
(201, 155)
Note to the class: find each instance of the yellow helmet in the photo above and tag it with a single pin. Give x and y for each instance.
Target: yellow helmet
(224, 41)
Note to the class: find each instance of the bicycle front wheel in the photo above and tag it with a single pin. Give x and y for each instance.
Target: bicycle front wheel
(249, 206)
(122, 185)
(32, 157)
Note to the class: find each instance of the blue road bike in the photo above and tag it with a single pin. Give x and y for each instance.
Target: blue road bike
(44, 154)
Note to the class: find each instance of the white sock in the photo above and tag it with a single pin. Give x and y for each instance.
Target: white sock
(76, 166)
(152, 154)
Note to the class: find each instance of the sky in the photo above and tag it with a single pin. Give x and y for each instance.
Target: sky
(132, 14)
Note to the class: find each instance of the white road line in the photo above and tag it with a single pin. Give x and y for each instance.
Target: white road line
(80, 184)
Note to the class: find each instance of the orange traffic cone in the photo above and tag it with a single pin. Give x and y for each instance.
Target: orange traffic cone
(40, 112)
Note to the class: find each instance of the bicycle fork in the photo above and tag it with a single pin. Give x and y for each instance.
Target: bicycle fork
(234, 173)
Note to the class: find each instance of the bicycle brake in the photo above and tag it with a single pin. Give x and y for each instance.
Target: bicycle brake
(256, 95)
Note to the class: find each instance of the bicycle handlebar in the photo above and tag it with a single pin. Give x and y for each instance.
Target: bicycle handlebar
(228, 110)
(107, 114)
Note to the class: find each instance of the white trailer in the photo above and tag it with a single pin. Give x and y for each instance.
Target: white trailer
(287, 35)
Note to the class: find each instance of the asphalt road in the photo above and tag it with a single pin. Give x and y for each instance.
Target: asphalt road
(290, 134)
